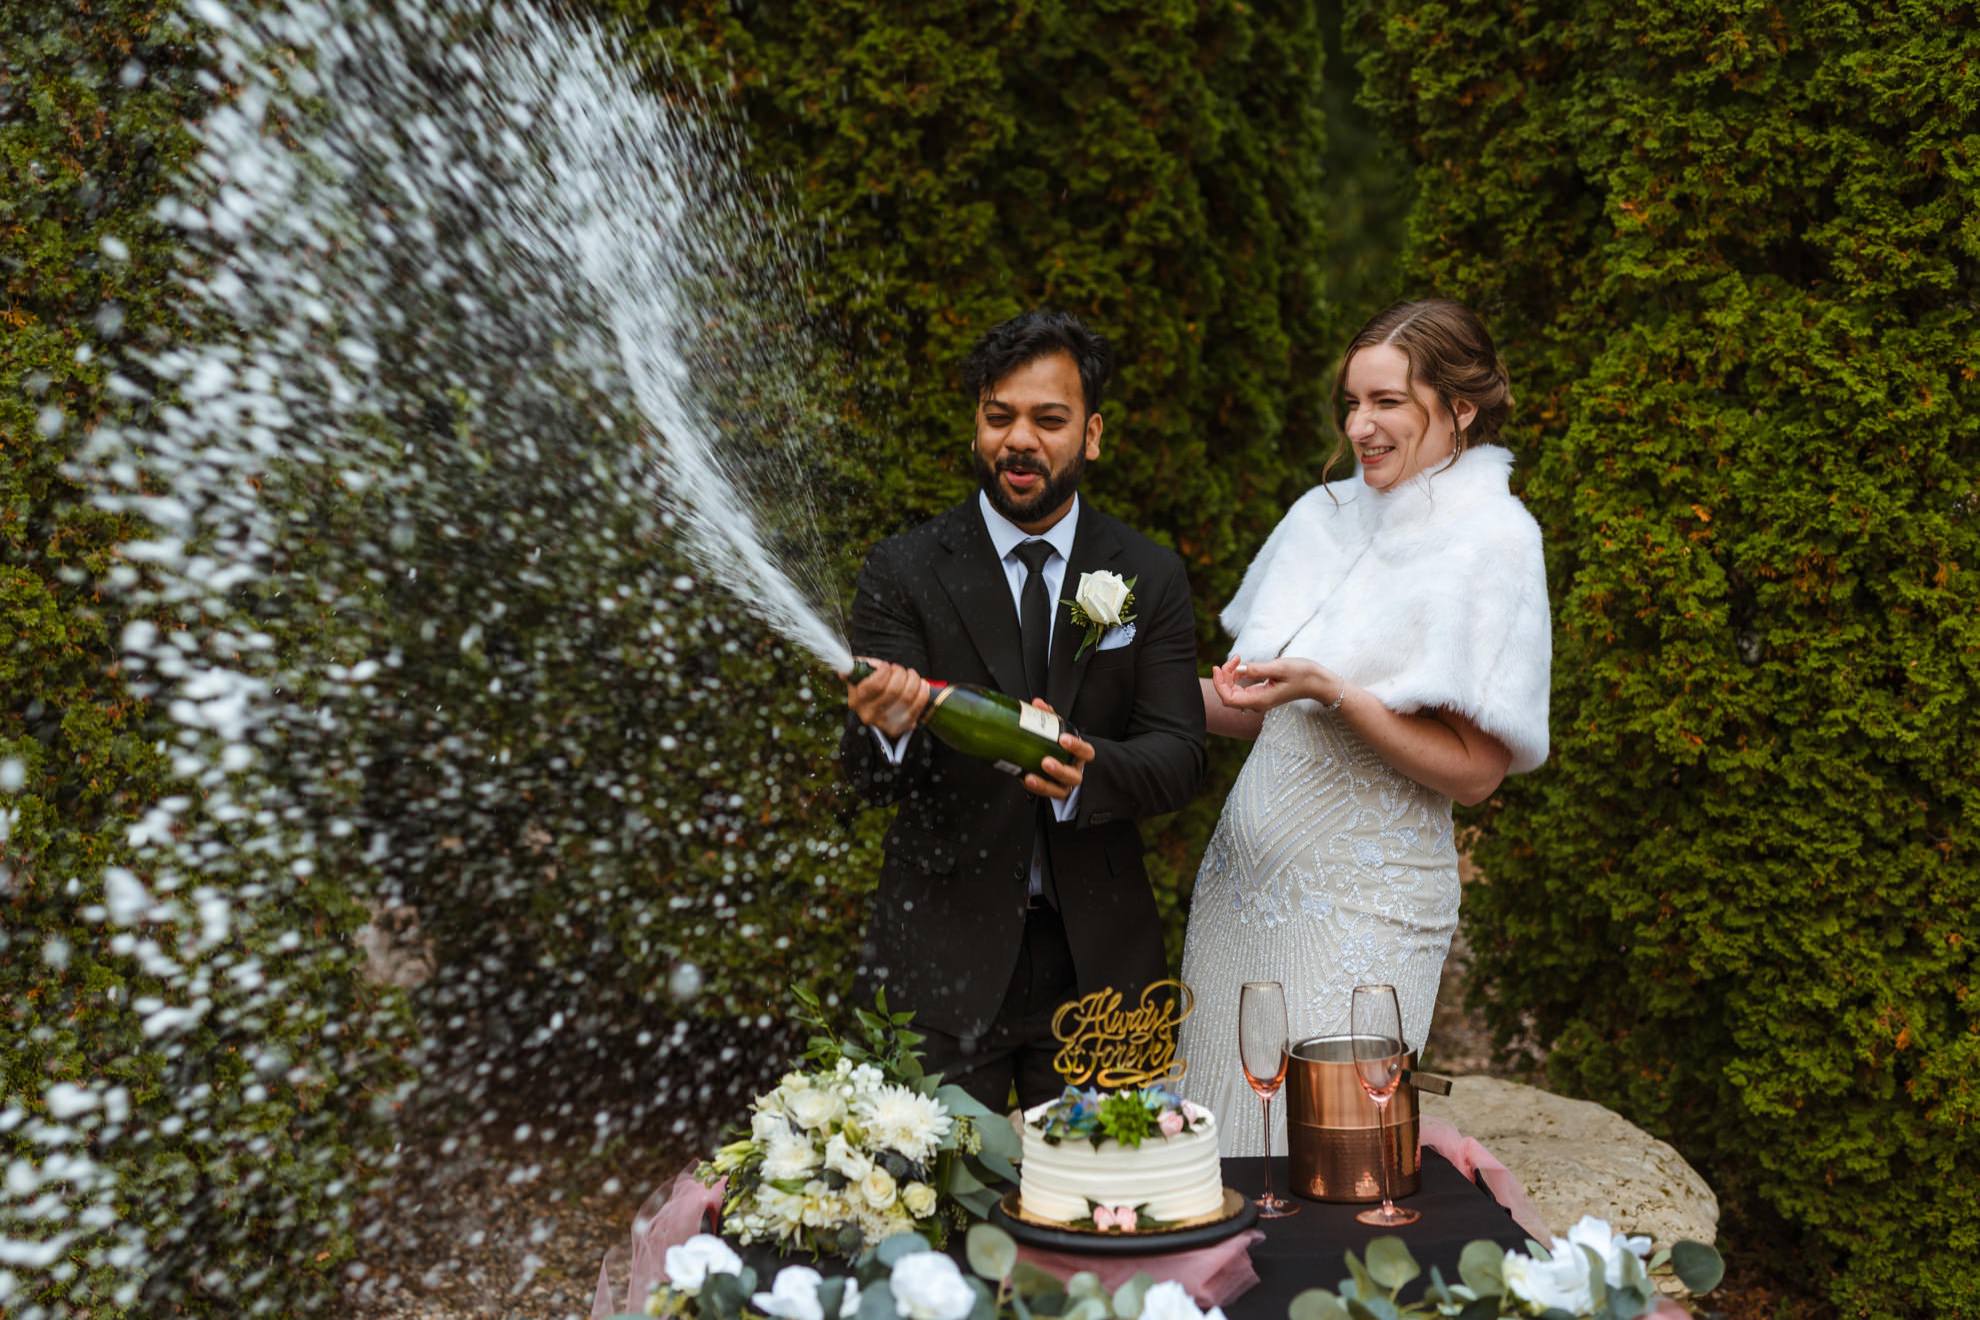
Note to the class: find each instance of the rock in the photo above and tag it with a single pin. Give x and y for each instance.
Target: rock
(396, 950)
(1576, 1158)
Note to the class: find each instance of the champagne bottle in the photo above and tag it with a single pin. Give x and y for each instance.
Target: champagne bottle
(1012, 735)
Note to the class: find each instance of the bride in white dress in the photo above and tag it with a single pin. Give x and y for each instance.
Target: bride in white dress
(1392, 655)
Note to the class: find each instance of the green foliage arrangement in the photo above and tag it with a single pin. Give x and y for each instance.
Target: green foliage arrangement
(1731, 255)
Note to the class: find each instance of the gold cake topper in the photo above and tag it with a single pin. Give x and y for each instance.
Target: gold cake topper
(1115, 1047)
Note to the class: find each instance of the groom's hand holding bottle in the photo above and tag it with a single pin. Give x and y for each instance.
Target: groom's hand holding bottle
(892, 699)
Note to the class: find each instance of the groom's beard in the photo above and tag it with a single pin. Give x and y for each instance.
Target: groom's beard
(1055, 491)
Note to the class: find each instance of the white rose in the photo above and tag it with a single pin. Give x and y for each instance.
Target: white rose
(919, 1198)
(794, 1295)
(928, 1286)
(1169, 1301)
(1607, 1243)
(841, 1158)
(1561, 1282)
(789, 1156)
(815, 1108)
(1102, 596)
(764, 1125)
(690, 1264)
(877, 1187)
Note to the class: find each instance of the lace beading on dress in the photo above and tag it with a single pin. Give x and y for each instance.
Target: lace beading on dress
(1327, 870)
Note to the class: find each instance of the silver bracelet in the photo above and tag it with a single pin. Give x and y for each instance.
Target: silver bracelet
(1333, 707)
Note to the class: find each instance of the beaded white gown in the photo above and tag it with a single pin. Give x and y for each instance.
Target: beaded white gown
(1327, 870)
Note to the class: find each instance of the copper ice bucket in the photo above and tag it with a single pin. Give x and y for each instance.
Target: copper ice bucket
(1335, 1133)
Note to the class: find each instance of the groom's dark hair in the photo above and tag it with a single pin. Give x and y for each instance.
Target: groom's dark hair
(1033, 335)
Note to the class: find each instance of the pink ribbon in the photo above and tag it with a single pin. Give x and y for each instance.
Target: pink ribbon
(675, 1212)
(1480, 1165)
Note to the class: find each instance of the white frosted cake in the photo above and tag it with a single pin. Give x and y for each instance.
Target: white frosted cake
(1134, 1159)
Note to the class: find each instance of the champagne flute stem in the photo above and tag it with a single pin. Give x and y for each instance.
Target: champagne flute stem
(1388, 1178)
(1266, 1101)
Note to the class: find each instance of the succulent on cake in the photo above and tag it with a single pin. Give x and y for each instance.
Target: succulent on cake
(1126, 1117)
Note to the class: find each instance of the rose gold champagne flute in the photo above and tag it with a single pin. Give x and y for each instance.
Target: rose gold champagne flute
(1375, 1021)
(1262, 1054)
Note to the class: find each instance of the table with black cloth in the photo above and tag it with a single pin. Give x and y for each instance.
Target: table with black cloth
(1308, 1249)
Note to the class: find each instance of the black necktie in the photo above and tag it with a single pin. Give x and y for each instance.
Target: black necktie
(1035, 614)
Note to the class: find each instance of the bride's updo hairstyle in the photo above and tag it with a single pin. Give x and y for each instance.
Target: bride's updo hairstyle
(1450, 352)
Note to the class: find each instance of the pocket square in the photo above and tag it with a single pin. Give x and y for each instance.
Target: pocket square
(1115, 637)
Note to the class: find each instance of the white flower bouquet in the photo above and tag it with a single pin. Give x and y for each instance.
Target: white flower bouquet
(903, 1278)
(1594, 1273)
(859, 1146)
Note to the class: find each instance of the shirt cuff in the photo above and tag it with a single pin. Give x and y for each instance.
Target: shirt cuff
(1064, 809)
(894, 749)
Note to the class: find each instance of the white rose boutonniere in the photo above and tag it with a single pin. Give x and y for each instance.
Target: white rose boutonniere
(1102, 602)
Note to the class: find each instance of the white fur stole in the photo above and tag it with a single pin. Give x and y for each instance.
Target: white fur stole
(1433, 594)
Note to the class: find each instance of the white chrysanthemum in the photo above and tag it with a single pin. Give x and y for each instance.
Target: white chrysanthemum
(901, 1120)
(788, 1156)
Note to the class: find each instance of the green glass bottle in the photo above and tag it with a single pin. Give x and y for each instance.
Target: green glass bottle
(1012, 735)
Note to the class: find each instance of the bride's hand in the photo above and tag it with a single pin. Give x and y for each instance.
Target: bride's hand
(1268, 683)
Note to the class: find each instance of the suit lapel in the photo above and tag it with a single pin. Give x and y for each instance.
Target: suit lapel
(1095, 547)
(975, 581)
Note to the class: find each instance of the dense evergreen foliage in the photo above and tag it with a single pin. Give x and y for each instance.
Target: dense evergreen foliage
(196, 1094)
(1153, 168)
(1731, 252)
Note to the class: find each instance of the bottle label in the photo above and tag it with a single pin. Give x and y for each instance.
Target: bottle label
(1040, 722)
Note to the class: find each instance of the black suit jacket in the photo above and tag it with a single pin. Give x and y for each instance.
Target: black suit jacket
(948, 918)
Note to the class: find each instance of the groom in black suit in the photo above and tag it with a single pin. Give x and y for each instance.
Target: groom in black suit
(1002, 897)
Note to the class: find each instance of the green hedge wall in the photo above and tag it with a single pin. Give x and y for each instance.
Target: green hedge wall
(169, 1163)
(1154, 168)
(1731, 254)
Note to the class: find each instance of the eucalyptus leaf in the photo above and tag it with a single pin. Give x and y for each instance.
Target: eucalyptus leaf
(1633, 1273)
(1317, 1304)
(876, 1302)
(1557, 1313)
(1085, 1284)
(996, 1165)
(1033, 1281)
(831, 1296)
(986, 1305)
(899, 1245)
(1482, 1267)
(1437, 1291)
(1625, 1304)
(721, 1297)
(979, 1203)
(1090, 1308)
(992, 1253)
(1479, 1308)
(1538, 1252)
(1373, 1308)
(1598, 1287)
(1390, 1264)
(962, 1181)
(1699, 1267)
(1364, 1282)
(1129, 1296)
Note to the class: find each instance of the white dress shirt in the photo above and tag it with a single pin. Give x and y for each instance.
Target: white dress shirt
(1005, 537)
